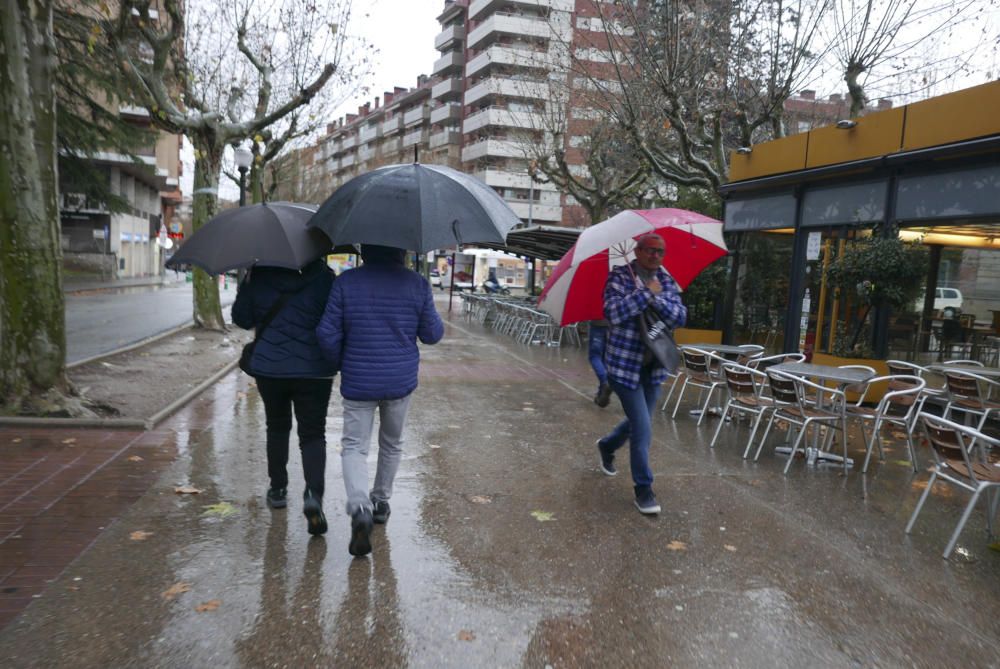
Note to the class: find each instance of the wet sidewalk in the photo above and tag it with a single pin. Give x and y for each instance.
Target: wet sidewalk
(506, 545)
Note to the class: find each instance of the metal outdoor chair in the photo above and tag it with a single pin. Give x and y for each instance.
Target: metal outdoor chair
(792, 407)
(745, 398)
(937, 394)
(763, 363)
(975, 395)
(701, 371)
(898, 406)
(952, 445)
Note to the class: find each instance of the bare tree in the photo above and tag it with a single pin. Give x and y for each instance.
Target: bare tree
(225, 73)
(897, 36)
(690, 80)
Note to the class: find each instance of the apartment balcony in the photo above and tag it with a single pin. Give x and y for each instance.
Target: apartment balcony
(348, 142)
(445, 137)
(449, 112)
(449, 89)
(539, 212)
(505, 179)
(449, 37)
(366, 153)
(348, 160)
(392, 125)
(508, 88)
(417, 115)
(369, 132)
(332, 165)
(479, 8)
(501, 148)
(416, 137)
(393, 145)
(448, 64)
(506, 24)
(495, 116)
(508, 55)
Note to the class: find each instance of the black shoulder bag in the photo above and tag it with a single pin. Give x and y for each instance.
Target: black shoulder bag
(248, 348)
(658, 338)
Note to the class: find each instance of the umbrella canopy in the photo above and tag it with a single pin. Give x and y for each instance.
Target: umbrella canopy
(415, 207)
(575, 291)
(273, 234)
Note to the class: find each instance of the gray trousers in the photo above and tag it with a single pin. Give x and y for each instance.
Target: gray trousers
(359, 416)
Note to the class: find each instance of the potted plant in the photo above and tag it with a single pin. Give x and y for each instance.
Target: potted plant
(878, 270)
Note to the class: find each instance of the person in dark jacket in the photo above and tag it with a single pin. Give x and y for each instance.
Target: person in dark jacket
(369, 331)
(291, 372)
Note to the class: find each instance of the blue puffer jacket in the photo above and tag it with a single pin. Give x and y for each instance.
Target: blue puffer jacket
(373, 319)
(287, 348)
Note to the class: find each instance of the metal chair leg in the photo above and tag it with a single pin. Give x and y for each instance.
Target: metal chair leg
(795, 447)
(722, 422)
(961, 524)
(763, 439)
(680, 396)
(920, 504)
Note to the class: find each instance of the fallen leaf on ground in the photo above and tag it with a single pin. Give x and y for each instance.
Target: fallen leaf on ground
(140, 535)
(466, 635)
(543, 516)
(210, 605)
(222, 509)
(435, 445)
(71, 440)
(176, 589)
(899, 435)
(455, 427)
(677, 546)
(901, 463)
(187, 490)
(480, 499)
(731, 548)
(995, 546)
(528, 409)
(135, 458)
(16, 440)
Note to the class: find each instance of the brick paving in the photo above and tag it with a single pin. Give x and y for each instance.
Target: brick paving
(59, 488)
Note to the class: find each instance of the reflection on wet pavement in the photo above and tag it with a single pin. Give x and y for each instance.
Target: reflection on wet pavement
(507, 547)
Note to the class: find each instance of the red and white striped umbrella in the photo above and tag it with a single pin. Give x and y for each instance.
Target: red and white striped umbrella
(575, 291)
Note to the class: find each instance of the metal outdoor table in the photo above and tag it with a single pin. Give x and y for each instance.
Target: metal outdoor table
(988, 372)
(840, 376)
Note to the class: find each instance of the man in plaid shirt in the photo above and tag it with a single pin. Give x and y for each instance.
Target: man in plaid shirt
(633, 372)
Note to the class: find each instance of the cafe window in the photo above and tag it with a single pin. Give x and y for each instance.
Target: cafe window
(968, 192)
(772, 212)
(845, 205)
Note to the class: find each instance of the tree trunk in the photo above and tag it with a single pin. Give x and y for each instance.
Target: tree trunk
(32, 316)
(207, 164)
(855, 90)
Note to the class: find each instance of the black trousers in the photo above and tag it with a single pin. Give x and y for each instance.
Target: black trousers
(309, 398)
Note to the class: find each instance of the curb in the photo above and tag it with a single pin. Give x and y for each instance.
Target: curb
(160, 415)
(132, 346)
(122, 423)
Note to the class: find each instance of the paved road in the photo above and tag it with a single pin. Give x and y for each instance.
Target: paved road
(105, 320)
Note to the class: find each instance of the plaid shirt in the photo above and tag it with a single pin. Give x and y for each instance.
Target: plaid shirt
(624, 300)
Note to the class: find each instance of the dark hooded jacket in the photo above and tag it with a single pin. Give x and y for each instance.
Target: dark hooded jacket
(287, 348)
(373, 319)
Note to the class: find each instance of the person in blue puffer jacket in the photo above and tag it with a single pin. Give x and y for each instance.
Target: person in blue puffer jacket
(369, 331)
(291, 372)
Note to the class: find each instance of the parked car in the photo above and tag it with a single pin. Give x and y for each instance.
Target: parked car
(435, 278)
(944, 298)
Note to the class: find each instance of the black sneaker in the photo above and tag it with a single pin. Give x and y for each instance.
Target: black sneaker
(361, 533)
(645, 501)
(380, 512)
(607, 460)
(276, 498)
(603, 396)
(312, 508)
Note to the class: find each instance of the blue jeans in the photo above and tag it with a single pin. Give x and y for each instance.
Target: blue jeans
(596, 343)
(637, 428)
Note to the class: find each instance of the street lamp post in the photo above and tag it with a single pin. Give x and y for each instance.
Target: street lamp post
(243, 160)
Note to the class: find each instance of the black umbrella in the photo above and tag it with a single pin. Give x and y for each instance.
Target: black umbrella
(415, 207)
(273, 234)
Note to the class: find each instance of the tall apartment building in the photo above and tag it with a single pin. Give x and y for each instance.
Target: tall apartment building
(123, 244)
(483, 104)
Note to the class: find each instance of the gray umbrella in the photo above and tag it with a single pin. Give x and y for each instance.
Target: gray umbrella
(273, 234)
(415, 207)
